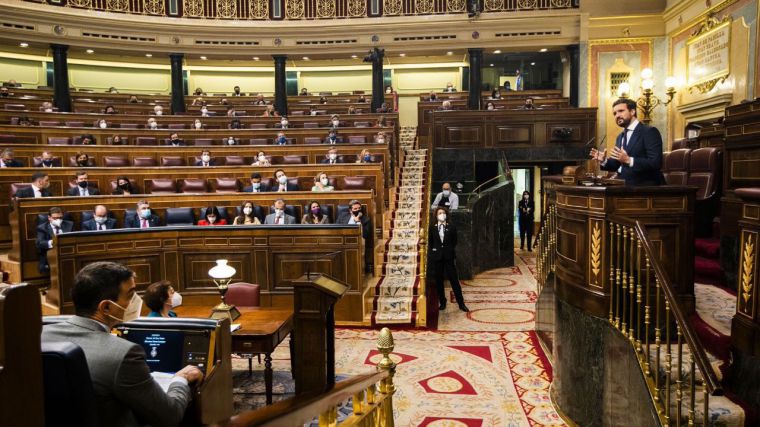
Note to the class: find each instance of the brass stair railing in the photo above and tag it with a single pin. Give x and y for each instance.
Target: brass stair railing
(547, 245)
(644, 308)
(371, 397)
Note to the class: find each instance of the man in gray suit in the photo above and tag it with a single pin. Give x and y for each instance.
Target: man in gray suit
(104, 296)
(279, 216)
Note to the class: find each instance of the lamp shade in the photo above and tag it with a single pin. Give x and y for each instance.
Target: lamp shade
(221, 270)
(624, 89)
(647, 84)
(647, 73)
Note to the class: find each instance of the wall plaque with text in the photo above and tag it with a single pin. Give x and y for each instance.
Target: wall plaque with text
(709, 54)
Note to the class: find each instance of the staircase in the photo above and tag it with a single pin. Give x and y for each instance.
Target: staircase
(397, 292)
(707, 267)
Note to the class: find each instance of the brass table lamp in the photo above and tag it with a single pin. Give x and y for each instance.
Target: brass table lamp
(222, 274)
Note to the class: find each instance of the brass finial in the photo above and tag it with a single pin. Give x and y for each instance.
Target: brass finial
(385, 346)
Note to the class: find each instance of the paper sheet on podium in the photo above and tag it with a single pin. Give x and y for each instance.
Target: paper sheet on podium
(164, 379)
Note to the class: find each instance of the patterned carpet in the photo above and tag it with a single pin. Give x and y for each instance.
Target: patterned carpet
(483, 368)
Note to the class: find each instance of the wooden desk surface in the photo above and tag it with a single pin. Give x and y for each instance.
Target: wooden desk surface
(252, 320)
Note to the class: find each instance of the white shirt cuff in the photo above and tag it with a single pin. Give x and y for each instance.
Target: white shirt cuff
(178, 379)
(50, 244)
(631, 165)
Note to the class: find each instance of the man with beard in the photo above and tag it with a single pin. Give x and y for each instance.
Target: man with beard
(637, 156)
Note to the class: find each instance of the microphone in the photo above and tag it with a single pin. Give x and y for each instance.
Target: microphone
(588, 144)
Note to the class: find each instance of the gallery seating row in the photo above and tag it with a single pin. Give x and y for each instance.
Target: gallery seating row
(26, 213)
(68, 136)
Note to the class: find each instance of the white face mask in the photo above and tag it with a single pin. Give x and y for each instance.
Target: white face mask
(442, 217)
(446, 193)
(283, 179)
(332, 156)
(100, 219)
(262, 159)
(247, 211)
(313, 113)
(132, 311)
(198, 125)
(176, 299)
(380, 140)
(324, 181)
(48, 110)
(231, 141)
(278, 212)
(490, 107)
(336, 123)
(159, 113)
(284, 122)
(388, 90)
(57, 222)
(103, 125)
(205, 159)
(153, 125)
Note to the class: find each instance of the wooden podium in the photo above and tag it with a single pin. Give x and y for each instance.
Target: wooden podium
(584, 214)
(314, 298)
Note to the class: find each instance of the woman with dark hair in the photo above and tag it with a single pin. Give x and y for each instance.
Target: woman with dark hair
(315, 215)
(160, 298)
(525, 218)
(442, 244)
(82, 159)
(213, 217)
(246, 216)
(322, 100)
(123, 187)
(87, 139)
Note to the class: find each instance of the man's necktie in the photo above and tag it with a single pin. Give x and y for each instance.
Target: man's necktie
(56, 230)
(625, 138)
(144, 223)
(277, 220)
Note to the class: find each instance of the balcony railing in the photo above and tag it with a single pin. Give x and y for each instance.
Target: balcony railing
(263, 10)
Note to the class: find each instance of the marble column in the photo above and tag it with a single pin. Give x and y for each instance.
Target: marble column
(575, 63)
(378, 93)
(61, 96)
(280, 84)
(476, 78)
(178, 87)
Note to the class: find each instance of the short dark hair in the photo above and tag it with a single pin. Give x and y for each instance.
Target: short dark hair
(631, 104)
(255, 175)
(96, 282)
(442, 208)
(278, 170)
(38, 175)
(156, 295)
(80, 173)
(55, 210)
(213, 210)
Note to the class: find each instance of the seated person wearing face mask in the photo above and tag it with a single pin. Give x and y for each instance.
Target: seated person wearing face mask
(331, 158)
(446, 199)
(123, 187)
(144, 217)
(355, 216)
(315, 215)
(83, 160)
(45, 232)
(151, 123)
(206, 159)
(175, 141)
(322, 183)
(47, 160)
(284, 122)
(364, 157)
(102, 124)
(281, 182)
(105, 295)
(39, 187)
(332, 137)
(230, 141)
(279, 216)
(82, 189)
(87, 139)
(261, 160)
(160, 297)
(7, 160)
(213, 217)
(281, 139)
(100, 220)
(334, 121)
(246, 216)
(256, 185)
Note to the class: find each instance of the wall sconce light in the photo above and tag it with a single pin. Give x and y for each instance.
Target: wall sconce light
(648, 101)
(222, 274)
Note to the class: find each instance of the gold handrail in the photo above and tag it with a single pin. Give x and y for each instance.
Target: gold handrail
(371, 394)
(640, 287)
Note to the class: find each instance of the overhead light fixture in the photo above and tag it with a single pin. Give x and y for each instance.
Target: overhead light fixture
(449, 53)
(491, 65)
(353, 56)
(532, 63)
(497, 51)
(90, 51)
(543, 50)
(305, 58)
(24, 44)
(401, 54)
(255, 58)
(203, 58)
(149, 55)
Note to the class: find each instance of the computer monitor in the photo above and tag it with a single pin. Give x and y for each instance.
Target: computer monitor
(169, 350)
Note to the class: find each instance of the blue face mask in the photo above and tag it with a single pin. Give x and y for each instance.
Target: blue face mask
(282, 140)
(145, 213)
(367, 158)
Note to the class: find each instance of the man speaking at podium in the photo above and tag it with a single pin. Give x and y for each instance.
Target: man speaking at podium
(637, 156)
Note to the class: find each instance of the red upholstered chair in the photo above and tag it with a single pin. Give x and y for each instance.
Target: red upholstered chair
(297, 113)
(292, 160)
(679, 144)
(124, 140)
(225, 185)
(172, 161)
(295, 181)
(258, 141)
(347, 158)
(258, 126)
(75, 124)
(160, 186)
(354, 183)
(204, 141)
(244, 294)
(49, 123)
(59, 140)
(193, 185)
(705, 171)
(357, 139)
(115, 161)
(675, 166)
(234, 161)
(144, 161)
(267, 182)
(312, 140)
(145, 140)
(218, 161)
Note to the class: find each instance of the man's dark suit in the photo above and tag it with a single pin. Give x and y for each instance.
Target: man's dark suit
(645, 146)
(344, 217)
(74, 191)
(262, 189)
(126, 394)
(211, 162)
(13, 164)
(289, 187)
(136, 221)
(327, 162)
(44, 235)
(443, 256)
(28, 192)
(91, 225)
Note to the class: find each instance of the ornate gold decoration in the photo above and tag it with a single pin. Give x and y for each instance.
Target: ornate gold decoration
(708, 85)
(711, 22)
(153, 7)
(747, 271)
(193, 8)
(325, 8)
(294, 9)
(357, 8)
(117, 5)
(526, 4)
(455, 5)
(80, 3)
(596, 250)
(560, 3)
(258, 9)
(423, 6)
(226, 8)
(392, 7)
(491, 5)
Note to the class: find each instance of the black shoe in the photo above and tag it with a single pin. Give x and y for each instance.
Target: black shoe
(442, 307)
(464, 308)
